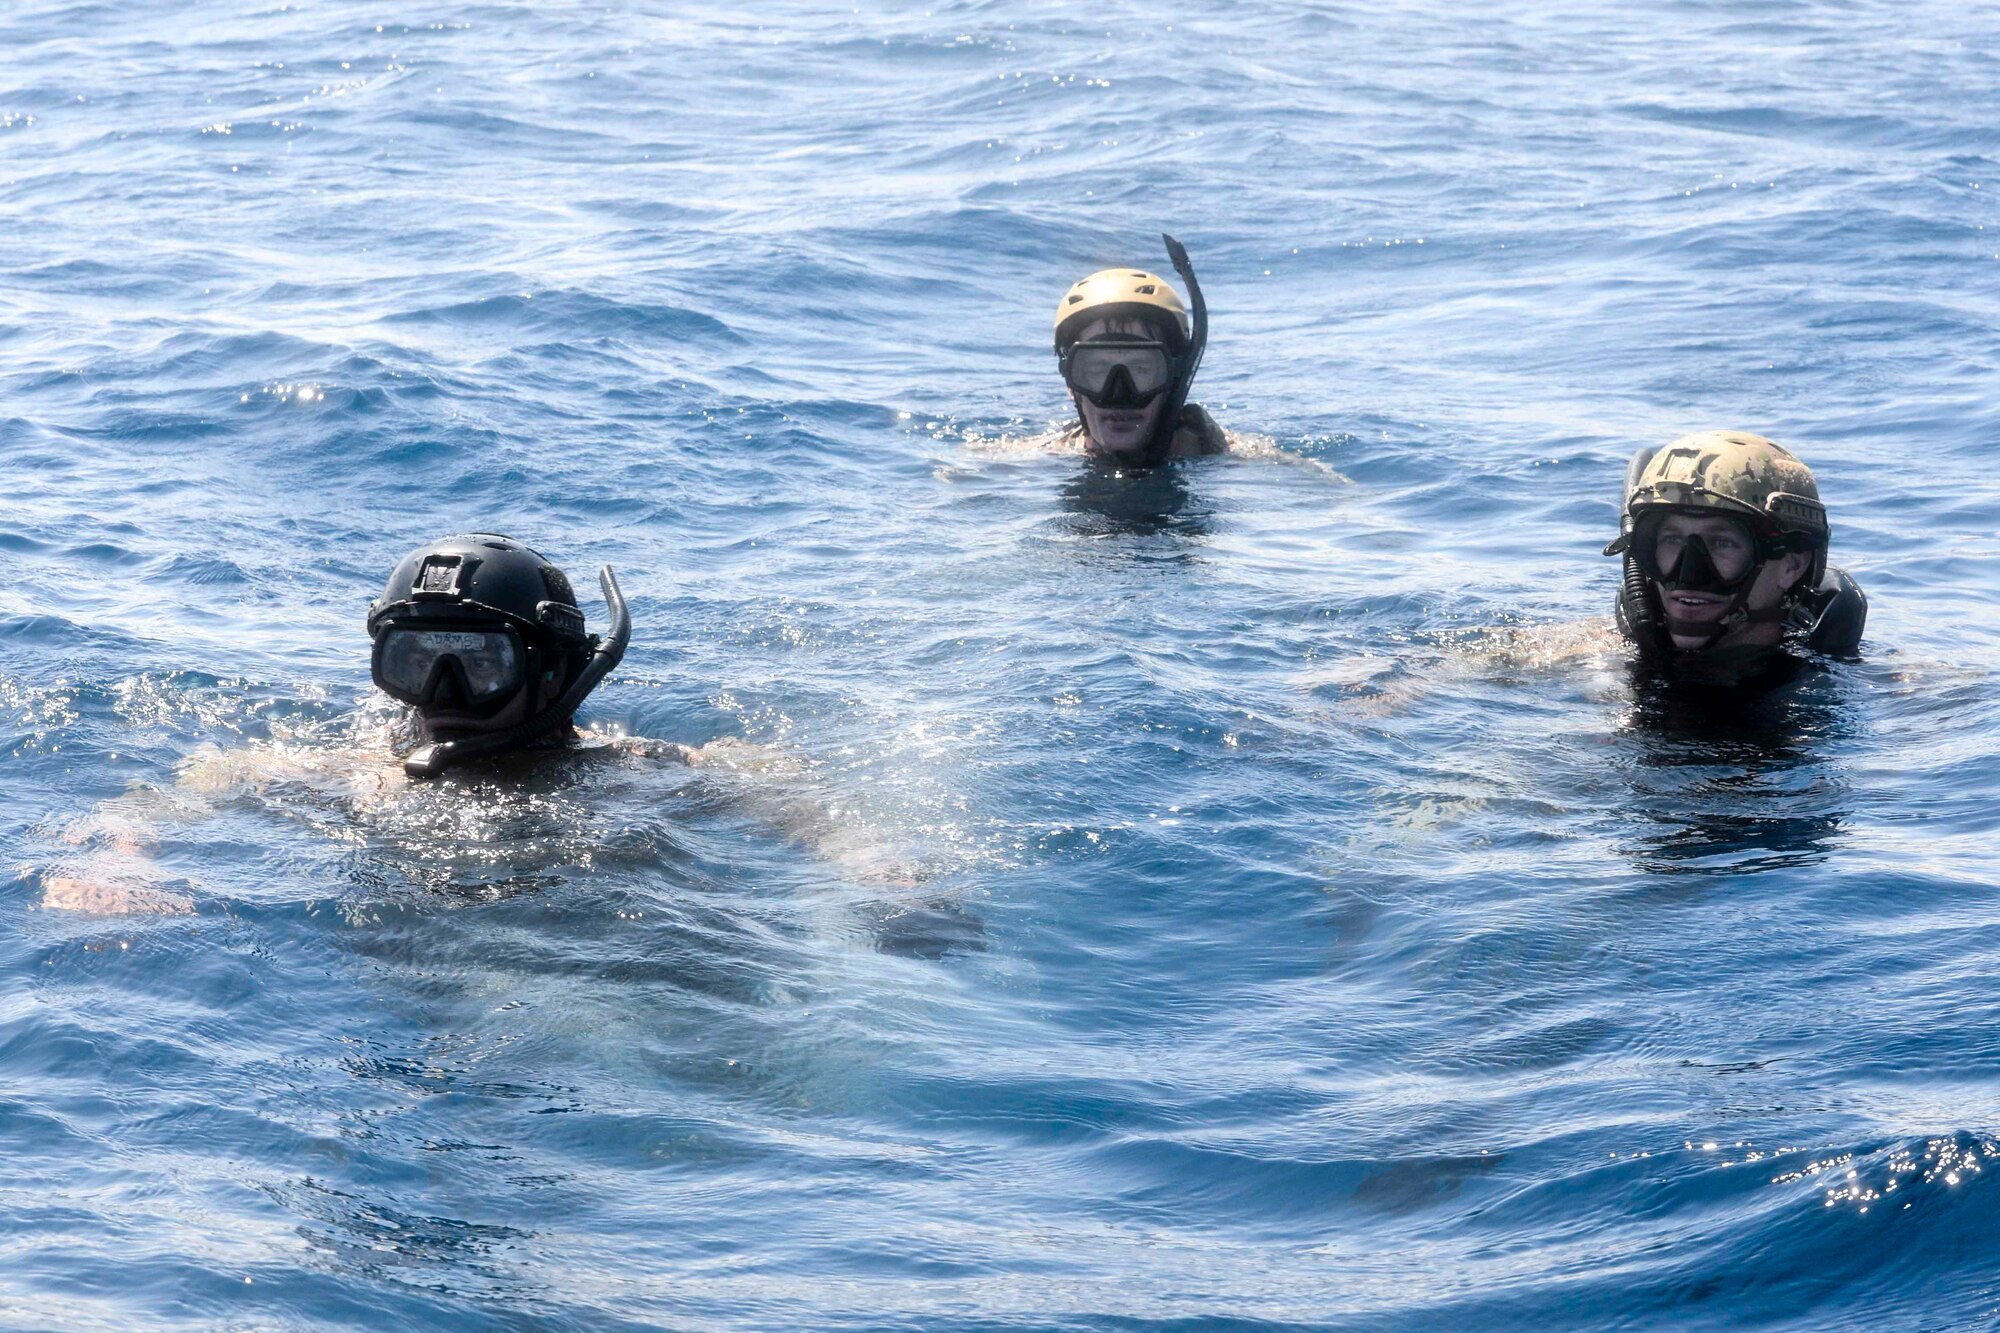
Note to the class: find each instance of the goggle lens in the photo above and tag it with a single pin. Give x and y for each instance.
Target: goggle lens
(1715, 558)
(1090, 367)
(488, 662)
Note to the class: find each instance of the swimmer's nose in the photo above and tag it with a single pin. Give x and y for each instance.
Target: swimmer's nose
(447, 694)
(1694, 570)
(1119, 391)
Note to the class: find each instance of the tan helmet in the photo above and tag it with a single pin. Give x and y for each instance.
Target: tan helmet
(1111, 292)
(1740, 473)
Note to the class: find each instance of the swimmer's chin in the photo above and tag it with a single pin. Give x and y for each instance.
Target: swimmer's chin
(447, 730)
(460, 726)
(441, 731)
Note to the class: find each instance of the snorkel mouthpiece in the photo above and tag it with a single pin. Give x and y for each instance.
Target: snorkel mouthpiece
(428, 761)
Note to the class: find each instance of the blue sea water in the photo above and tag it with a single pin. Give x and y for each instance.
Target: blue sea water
(1254, 897)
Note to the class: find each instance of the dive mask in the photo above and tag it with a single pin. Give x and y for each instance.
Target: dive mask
(1118, 372)
(1685, 561)
(473, 669)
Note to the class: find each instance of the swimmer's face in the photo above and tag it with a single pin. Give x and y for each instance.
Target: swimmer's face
(1732, 550)
(1731, 547)
(1111, 431)
(445, 724)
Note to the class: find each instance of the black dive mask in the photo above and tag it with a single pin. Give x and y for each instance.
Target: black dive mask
(1692, 568)
(469, 668)
(1118, 372)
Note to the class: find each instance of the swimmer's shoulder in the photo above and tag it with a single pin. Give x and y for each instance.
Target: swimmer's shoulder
(1831, 618)
(1198, 434)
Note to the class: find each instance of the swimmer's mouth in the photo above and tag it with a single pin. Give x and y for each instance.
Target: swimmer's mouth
(449, 726)
(1121, 416)
(1695, 601)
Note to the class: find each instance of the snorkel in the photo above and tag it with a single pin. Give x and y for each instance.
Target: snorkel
(428, 761)
(1160, 447)
(1637, 607)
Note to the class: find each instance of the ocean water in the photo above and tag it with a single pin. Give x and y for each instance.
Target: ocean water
(1255, 896)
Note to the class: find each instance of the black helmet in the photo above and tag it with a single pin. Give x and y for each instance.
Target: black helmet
(483, 576)
(466, 623)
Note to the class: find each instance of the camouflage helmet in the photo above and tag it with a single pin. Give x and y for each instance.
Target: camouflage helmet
(1735, 472)
(1112, 292)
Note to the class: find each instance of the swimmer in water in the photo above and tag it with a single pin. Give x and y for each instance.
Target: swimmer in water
(483, 638)
(1725, 545)
(1129, 352)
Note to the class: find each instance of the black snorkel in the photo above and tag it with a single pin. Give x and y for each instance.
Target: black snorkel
(1639, 614)
(427, 761)
(1161, 446)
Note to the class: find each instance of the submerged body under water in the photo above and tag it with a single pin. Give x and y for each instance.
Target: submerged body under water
(1255, 894)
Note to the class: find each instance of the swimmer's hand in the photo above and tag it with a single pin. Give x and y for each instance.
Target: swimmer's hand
(112, 872)
(112, 884)
(783, 791)
(640, 747)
